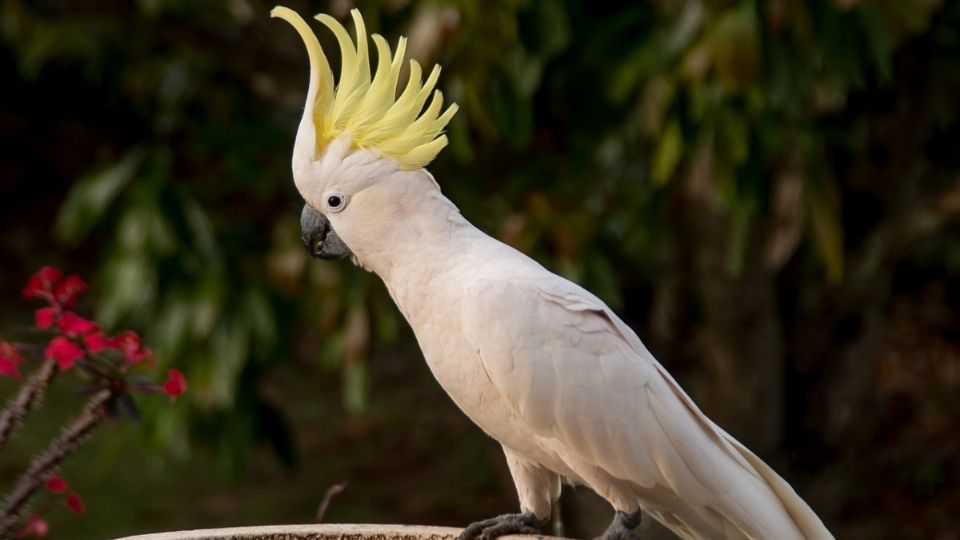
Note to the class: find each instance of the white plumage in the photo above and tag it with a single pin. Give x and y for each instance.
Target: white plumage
(546, 368)
(539, 363)
(569, 390)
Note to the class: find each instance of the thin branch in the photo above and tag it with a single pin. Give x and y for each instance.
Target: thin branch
(27, 399)
(331, 492)
(46, 463)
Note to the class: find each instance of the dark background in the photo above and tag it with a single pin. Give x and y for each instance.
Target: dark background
(767, 191)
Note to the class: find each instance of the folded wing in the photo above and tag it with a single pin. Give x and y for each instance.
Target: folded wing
(580, 379)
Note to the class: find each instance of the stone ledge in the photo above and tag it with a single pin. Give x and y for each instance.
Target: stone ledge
(327, 531)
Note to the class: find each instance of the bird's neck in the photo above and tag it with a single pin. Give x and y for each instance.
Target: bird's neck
(421, 239)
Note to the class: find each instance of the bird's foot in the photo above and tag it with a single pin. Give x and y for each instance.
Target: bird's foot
(488, 529)
(622, 526)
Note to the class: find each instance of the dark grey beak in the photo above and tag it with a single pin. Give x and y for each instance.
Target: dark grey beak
(319, 237)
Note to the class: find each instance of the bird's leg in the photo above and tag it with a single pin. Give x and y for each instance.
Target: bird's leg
(622, 526)
(489, 529)
(537, 488)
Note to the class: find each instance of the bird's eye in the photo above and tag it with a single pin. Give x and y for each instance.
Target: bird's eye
(334, 201)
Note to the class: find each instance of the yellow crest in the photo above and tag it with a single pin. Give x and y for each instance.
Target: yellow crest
(369, 110)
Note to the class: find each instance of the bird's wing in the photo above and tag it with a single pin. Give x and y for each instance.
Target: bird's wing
(576, 374)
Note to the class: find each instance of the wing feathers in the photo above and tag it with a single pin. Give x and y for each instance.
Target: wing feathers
(583, 383)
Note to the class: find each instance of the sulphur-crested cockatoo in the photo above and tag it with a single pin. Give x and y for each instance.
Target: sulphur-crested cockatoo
(539, 363)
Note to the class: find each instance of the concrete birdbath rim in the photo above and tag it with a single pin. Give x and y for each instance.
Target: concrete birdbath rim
(327, 531)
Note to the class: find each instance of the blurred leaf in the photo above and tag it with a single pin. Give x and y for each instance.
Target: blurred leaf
(173, 323)
(207, 306)
(132, 282)
(144, 227)
(229, 349)
(202, 235)
(735, 47)
(733, 138)
(657, 98)
(260, 315)
(355, 384)
(879, 40)
(628, 74)
(668, 153)
(90, 196)
(827, 231)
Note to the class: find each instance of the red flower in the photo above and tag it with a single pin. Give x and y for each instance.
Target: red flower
(75, 502)
(57, 483)
(42, 282)
(34, 525)
(129, 344)
(10, 360)
(98, 341)
(175, 384)
(9, 368)
(67, 291)
(75, 325)
(64, 351)
(139, 355)
(45, 317)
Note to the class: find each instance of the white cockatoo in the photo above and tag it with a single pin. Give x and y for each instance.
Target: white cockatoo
(539, 363)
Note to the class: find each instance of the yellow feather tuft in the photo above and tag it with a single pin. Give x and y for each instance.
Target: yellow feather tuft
(369, 109)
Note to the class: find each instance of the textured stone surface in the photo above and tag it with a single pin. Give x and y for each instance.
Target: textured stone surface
(316, 532)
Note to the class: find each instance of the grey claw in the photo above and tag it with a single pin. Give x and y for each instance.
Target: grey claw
(621, 528)
(489, 529)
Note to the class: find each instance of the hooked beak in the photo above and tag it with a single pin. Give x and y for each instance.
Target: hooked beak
(319, 237)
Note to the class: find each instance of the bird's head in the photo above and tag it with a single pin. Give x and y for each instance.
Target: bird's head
(360, 146)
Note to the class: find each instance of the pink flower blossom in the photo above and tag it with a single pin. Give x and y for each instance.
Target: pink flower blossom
(57, 484)
(72, 324)
(64, 351)
(42, 282)
(45, 317)
(10, 360)
(98, 341)
(34, 525)
(129, 344)
(9, 368)
(175, 384)
(75, 503)
(67, 290)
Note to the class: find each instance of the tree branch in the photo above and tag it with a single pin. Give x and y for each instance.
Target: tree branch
(46, 463)
(27, 399)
